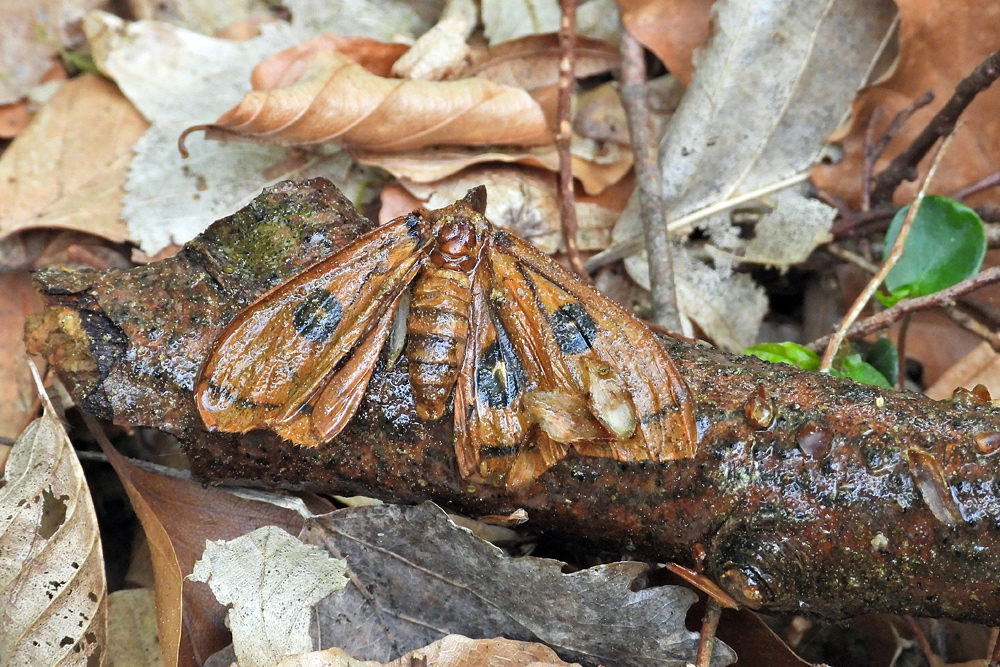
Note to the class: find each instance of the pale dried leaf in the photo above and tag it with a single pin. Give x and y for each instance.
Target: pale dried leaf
(178, 516)
(405, 560)
(204, 17)
(67, 169)
(450, 651)
(338, 101)
(526, 202)
(442, 50)
(599, 19)
(175, 78)
(132, 637)
(435, 164)
(53, 592)
(756, 113)
(33, 32)
(727, 306)
(271, 581)
(504, 20)
(789, 233)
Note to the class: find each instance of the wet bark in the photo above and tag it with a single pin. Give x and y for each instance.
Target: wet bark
(808, 493)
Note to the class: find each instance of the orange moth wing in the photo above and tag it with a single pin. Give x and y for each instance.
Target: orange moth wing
(297, 361)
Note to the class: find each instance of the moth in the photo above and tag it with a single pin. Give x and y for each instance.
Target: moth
(538, 362)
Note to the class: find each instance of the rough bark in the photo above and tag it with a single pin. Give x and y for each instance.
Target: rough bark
(853, 500)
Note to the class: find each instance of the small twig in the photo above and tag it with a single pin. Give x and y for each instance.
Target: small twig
(709, 627)
(644, 147)
(871, 155)
(894, 254)
(904, 328)
(889, 316)
(567, 201)
(973, 325)
(988, 181)
(925, 646)
(904, 166)
(852, 258)
(629, 247)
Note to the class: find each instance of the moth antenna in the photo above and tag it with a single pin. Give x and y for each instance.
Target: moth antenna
(476, 198)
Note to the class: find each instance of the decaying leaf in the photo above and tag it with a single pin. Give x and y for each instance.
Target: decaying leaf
(450, 651)
(132, 637)
(67, 170)
(336, 100)
(178, 516)
(177, 78)
(435, 164)
(741, 128)
(671, 30)
(270, 581)
(525, 201)
(53, 591)
(404, 561)
(33, 33)
(18, 300)
(442, 50)
(928, 61)
(504, 20)
(532, 62)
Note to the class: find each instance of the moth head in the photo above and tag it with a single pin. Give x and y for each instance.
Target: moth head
(456, 246)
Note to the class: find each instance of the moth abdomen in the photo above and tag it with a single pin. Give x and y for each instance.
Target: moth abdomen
(437, 328)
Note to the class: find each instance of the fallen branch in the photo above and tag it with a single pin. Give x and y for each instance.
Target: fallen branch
(807, 494)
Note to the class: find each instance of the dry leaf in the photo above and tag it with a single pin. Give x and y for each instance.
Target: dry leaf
(404, 561)
(67, 169)
(981, 366)
(178, 516)
(53, 605)
(670, 29)
(435, 164)
(33, 32)
(526, 201)
(132, 639)
(441, 51)
(504, 20)
(176, 77)
(928, 61)
(270, 581)
(338, 100)
(532, 62)
(450, 651)
(741, 129)
(18, 300)
(14, 118)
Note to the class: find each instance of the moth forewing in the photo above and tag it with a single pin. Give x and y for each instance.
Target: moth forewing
(282, 349)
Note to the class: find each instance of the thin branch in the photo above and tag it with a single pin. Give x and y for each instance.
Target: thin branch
(890, 316)
(871, 155)
(989, 181)
(904, 166)
(897, 251)
(567, 201)
(904, 329)
(646, 151)
(709, 628)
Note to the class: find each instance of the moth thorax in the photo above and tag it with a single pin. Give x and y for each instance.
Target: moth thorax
(456, 244)
(436, 330)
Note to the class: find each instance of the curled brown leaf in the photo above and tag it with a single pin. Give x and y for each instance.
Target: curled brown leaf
(337, 100)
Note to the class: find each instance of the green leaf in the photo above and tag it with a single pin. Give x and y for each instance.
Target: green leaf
(861, 371)
(885, 358)
(788, 353)
(946, 245)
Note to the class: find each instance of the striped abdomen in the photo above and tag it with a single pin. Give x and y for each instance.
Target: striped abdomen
(436, 331)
